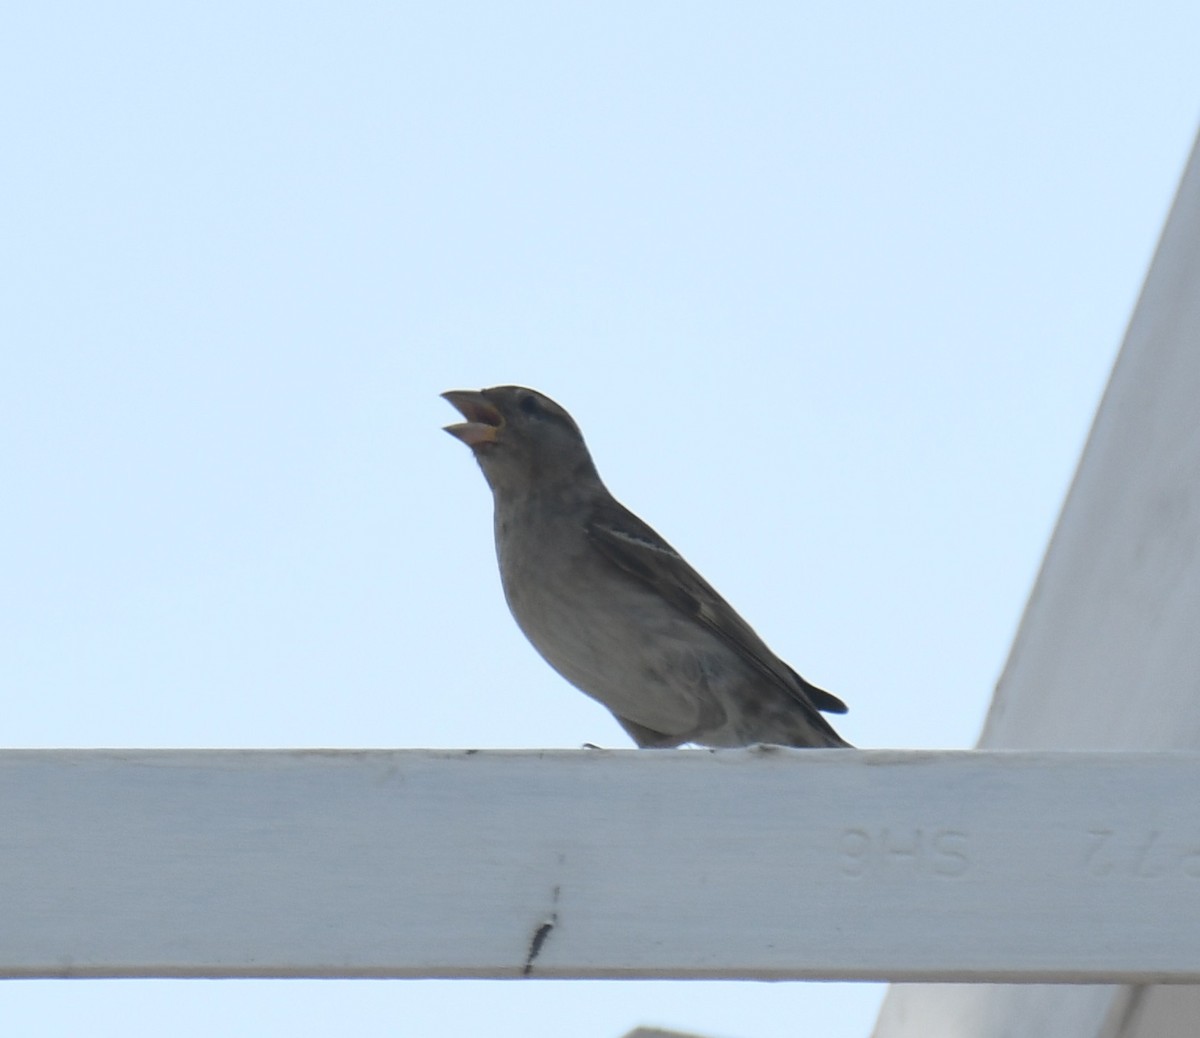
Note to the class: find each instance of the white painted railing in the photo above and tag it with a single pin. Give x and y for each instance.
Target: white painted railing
(766, 863)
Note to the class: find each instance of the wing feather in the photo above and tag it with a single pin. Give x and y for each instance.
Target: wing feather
(635, 547)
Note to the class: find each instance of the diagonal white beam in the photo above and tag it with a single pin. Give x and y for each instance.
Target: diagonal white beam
(1108, 652)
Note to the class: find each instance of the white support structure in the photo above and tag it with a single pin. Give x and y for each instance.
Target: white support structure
(765, 863)
(1108, 653)
(1021, 866)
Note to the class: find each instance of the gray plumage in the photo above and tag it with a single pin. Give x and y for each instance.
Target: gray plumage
(612, 606)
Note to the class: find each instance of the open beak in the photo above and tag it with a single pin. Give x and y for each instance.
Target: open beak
(483, 421)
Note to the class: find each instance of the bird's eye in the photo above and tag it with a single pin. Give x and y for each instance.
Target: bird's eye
(531, 407)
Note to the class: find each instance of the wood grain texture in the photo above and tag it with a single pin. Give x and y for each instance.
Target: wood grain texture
(766, 863)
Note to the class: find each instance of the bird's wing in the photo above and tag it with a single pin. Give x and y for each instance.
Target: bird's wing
(636, 548)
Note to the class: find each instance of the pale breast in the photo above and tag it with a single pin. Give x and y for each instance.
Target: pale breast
(606, 633)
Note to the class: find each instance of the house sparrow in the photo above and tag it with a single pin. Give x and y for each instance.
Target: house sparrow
(612, 606)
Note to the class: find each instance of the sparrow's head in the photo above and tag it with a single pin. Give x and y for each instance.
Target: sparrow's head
(522, 440)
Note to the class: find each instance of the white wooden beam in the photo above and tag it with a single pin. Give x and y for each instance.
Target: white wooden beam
(1108, 653)
(767, 863)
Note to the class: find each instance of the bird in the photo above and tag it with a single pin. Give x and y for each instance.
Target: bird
(611, 606)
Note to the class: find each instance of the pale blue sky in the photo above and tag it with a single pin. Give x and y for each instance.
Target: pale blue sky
(833, 291)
